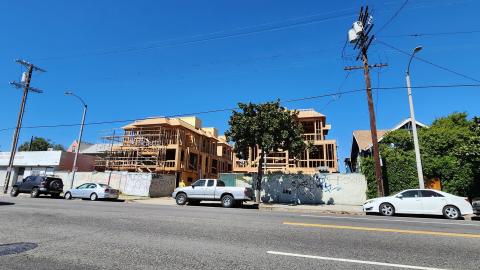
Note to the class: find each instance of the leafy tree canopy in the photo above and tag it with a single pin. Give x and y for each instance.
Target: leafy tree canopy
(450, 151)
(269, 126)
(40, 144)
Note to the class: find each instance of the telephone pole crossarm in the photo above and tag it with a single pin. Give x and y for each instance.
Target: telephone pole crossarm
(380, 65)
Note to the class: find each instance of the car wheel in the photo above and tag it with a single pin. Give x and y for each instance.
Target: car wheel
(451, 212)
(35, 193)
(181, 199)
(228, 201)
(14, 192)
(68, 196)
(386, 209)
(93, 197)
(56, 184)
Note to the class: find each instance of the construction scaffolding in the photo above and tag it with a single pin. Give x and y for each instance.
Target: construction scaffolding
(161, 145)
(142, 150)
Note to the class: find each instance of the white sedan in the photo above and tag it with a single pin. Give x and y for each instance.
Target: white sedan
(420, 201)
(92, 191)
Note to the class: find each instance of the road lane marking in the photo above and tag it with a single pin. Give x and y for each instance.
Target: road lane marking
(342, 227)
(353, 261)
(395, 220)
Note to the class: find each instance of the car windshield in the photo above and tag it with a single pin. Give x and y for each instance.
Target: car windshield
(104, 186)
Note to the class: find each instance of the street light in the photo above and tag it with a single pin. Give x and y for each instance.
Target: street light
(79, 141)
(414, 123)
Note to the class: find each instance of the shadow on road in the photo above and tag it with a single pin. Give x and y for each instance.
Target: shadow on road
(219, 205)
(415, 216)
(6, 203)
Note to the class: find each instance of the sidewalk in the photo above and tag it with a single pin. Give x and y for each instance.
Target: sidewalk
(322, 209)
(319, 209)
(148, 200)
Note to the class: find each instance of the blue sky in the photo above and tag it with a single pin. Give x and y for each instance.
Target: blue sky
(114, 55)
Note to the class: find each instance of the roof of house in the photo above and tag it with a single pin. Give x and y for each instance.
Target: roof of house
(406, 121)
(364, 138)
(96, 148)
(308, 113)
(83, 146)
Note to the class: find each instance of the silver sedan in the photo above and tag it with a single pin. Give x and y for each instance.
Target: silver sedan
(92, 191)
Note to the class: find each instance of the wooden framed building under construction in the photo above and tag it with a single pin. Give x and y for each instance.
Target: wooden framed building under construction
(321, 156)
(177, 146)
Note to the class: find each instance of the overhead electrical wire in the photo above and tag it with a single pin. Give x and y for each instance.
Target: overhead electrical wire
(428, 62)
(335, 93)
(243, 31)
(393, 17)
(432, 34)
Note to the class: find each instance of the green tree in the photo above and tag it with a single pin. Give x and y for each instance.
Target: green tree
(40, 144)
(450, 151)
(269, 126)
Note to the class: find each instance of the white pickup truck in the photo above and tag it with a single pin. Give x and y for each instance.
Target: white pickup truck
(212, 190)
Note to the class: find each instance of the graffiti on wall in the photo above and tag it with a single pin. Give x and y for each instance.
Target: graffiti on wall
(321, 181)
(298, 188)
(137, 184)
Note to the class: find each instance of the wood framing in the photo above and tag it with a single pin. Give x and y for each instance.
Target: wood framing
(322, 156)
(170, 145)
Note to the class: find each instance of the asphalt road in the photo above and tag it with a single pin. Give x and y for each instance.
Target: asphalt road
(118, 235)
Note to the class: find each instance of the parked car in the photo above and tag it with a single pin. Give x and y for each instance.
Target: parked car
(92, 191)
(476, 206)
(37, 185)
(420, 201)
(212, 190)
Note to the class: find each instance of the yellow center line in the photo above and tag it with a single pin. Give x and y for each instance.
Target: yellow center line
(341, 227)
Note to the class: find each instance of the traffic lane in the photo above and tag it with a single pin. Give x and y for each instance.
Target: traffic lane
(172, 251)
(252, 214)
(221, 232)
(242, 215)
(81, 243)
(434, 225)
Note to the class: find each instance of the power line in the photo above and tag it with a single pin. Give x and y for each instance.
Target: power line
(330, 94)
(428, 62)
(260, 28)
(393, 17)
(433, 34)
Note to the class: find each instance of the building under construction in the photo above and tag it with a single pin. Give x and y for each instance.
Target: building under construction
(322, 154)
(177, 146)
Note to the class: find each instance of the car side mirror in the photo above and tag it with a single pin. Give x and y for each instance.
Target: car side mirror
(193, 186)
(400, 196)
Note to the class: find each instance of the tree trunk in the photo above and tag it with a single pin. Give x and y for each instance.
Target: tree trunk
(258, 186)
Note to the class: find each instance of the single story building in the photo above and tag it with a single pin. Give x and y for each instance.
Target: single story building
(42, 162)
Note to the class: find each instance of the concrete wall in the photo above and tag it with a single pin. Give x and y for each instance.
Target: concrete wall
(345, 189)
(135, 184)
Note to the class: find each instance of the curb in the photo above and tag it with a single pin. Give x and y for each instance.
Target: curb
(309, 211)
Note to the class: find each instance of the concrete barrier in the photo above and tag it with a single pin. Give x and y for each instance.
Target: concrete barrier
(129, 183)
(341, 189)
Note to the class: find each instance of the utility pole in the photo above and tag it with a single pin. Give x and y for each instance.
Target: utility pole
(359, 35)
(25, 84)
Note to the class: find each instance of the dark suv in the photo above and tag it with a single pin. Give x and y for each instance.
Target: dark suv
(36, 185)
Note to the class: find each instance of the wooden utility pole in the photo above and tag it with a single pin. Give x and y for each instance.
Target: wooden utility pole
(25, 83)
(362, 42)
